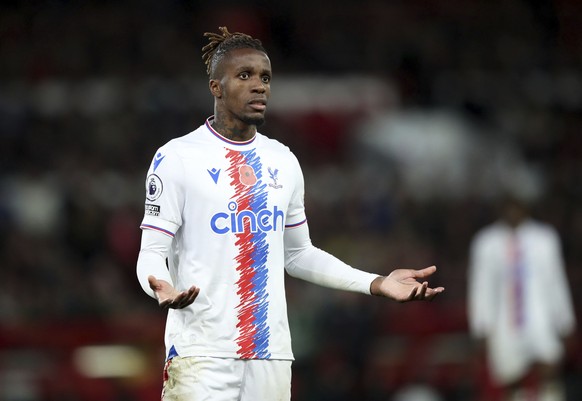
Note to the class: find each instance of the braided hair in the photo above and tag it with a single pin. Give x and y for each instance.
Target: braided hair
(222, 43)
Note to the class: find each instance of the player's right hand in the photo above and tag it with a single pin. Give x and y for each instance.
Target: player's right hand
(169, 297)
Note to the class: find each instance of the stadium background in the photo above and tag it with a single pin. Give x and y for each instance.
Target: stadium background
(410, 118)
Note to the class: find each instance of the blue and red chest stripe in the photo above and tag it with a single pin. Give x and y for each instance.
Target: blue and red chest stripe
(251, 260)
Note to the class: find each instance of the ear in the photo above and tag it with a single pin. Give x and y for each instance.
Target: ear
(215, 88)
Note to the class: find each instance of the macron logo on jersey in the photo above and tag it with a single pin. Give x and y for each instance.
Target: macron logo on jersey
(236, 221)
(214, 173)
(158, 159)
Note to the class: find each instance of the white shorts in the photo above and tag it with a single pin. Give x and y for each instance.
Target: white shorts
(200, 378)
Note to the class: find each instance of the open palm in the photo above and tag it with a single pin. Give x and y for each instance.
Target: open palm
(403, 285)
(169, 297)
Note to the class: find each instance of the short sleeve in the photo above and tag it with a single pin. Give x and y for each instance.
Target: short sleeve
(164, 192)
(296, 211)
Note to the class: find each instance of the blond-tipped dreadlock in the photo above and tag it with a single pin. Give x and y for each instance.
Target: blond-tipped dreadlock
(220, 44)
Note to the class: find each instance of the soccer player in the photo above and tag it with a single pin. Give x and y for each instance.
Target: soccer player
(522, 334)
(224, 207)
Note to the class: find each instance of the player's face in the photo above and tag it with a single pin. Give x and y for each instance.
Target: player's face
(243, 87)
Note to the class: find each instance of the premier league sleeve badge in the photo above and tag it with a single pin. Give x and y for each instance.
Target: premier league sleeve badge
(154, 187)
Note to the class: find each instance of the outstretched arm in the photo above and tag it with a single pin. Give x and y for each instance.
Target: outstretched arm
(403, 285)
(154, 276)
(305, 261)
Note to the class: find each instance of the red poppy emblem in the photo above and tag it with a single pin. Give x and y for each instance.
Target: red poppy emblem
(247, 175)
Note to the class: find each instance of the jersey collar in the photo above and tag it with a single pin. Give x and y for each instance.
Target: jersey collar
(209, 121)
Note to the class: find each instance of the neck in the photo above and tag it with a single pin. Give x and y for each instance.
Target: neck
(232, 131)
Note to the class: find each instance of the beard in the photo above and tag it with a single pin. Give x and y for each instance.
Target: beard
(256, 121)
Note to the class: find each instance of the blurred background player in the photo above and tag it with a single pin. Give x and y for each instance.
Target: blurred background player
(519, 303)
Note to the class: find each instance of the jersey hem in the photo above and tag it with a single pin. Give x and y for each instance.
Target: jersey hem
(232, 355)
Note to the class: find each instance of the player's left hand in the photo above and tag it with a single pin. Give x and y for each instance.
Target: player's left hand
(402, 285)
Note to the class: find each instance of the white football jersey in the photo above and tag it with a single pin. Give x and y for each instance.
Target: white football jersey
(226, 204)
(509, 269)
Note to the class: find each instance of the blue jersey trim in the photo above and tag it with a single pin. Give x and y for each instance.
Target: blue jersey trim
(296, 224)
(172, 353)
(150, 227)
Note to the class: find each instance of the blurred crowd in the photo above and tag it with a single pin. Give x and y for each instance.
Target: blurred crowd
(477, 99)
